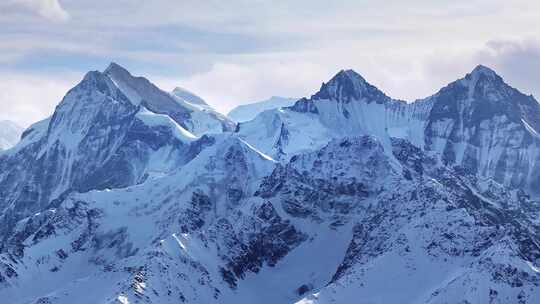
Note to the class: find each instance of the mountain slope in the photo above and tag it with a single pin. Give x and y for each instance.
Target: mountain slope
(10, 134)
(179, 238)
(455, 240)
(247, 112)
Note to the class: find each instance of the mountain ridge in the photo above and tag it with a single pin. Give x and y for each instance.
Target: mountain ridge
(460, 122)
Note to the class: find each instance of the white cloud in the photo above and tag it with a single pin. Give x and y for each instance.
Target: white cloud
(229, 84)
(49, 9)
(26, 99)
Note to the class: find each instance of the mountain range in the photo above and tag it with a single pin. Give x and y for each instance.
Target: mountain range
(131, 194)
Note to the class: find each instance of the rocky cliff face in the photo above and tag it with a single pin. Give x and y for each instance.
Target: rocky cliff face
(488, 127)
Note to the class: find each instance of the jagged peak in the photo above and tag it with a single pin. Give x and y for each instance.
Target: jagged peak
(348, 77)
(90, 75)
(482, 73)
(119, 73)
(351, 74)
(483, 94)
(484, 70)
(482, 79)
(115, 68)
(348, 85)
(188, 96)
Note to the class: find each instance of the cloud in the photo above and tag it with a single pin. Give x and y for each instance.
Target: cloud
(238, 51)
(49, 9)
(26, 98)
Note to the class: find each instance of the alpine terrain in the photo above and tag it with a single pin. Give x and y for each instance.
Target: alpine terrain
(131, 194)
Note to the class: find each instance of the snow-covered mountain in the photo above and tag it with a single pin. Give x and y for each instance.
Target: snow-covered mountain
(340, 198)
(111, 130)
(246, 112)
(191, 99)
(204, 118)
(489, 128)
(186, 108)
(478, 122)
(10, 134)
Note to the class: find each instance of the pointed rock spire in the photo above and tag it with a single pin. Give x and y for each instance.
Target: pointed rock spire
(484, 77)
(115, 68)
(484, 70)
(348, 85)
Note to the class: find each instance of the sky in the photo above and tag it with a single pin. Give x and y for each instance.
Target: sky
(238, 51)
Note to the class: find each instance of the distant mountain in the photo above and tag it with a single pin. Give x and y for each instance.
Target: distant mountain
(204, 118)
(347, 105)
(143, 196)
(10, 134)
(189, 97)
(246, 112)
(179, 105)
